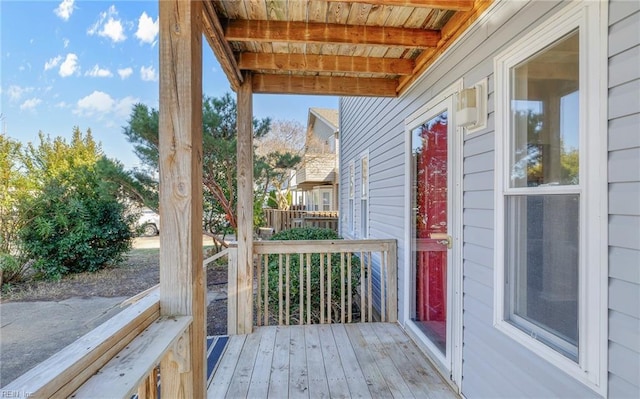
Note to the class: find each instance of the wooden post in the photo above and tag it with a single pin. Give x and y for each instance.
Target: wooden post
(245, 207)
(182, 284)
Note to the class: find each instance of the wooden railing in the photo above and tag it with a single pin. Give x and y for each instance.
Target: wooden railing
(119, 358)
(280, 220)
(325, 281)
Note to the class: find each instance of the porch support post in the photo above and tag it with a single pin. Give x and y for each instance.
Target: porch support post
(182, 284)
(245, 207)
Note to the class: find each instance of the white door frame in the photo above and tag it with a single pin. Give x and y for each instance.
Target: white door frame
(451, 365)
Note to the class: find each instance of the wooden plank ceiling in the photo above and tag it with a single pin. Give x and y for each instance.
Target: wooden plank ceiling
(346, 48)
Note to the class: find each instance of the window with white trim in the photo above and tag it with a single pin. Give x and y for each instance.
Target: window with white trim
(352, 191)
(364, 196)
(549, 158)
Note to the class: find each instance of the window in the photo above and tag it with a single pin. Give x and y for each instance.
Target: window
(326, 200)
(549, 252)
(352, 188)
(364, 196)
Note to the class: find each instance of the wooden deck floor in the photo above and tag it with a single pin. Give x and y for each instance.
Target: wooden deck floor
(338, 361)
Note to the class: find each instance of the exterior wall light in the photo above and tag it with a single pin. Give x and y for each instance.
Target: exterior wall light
(471, 110)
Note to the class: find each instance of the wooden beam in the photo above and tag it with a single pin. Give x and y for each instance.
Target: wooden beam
(457, 5)
(182, 279)
(324, 85)
(454, 28)
(245, 207)
(303, 32)
(214, 33)
(325, 63)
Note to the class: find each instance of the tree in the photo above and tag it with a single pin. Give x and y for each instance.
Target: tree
(13, 187)
(280, 151)
(73, 220)
(219, 160)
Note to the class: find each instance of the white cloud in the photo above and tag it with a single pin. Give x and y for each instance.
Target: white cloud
(147, 29)
(97, 72)
(108, 25)
(62, 104)
(69, 66)
(52, 63)
(65, 42)
(123, 107)
(101, 105)
(148, 74)
(31, 103)
(15, 92)
(64, 10)
(125, 73)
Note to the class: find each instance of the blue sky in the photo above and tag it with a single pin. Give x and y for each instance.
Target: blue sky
(69, 63)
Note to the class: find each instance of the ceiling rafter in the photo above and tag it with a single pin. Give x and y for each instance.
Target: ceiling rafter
(215, 36)
(456, 5)
(325, 63)
(320, 33)
(326, 85)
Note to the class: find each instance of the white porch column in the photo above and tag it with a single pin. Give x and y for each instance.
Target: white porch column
(182, 280)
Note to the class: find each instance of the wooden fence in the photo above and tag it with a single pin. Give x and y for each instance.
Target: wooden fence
(280, 220)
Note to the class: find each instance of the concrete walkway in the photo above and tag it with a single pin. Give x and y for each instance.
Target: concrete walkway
(31, 332)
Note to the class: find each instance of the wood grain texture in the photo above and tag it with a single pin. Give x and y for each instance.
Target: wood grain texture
(326, 85)
(330, 360)
(326, 33)
(221, 48)
(458, 5)
(245, 206)
(325, 63)
(182, 279)
(122, 376)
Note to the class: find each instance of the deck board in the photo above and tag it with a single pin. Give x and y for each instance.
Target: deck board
(360, 360)
(298, 374)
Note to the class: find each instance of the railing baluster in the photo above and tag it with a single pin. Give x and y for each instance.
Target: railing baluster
(382, 290)
(308, 288)
(342, 307)
(266, 290)
(259, 294)
(329, 294)
(287, 284)
(279, 289)
(362, 288)
(322, 310)
(349, 293)
(301, 292)
(369, 287)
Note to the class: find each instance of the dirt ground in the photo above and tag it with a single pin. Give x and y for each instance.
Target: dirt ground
(139, 271)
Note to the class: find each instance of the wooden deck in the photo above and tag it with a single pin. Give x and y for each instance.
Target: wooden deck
(326, 360)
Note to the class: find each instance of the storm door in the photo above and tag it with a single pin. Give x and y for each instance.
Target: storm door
(431, 229)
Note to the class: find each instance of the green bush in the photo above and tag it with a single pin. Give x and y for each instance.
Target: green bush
(75, 224)
(310, 233)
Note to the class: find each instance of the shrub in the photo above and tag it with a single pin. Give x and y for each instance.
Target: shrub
(310, 233)
(75, 224)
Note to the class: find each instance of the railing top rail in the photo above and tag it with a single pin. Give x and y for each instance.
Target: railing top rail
(85, 355)
(324, 246)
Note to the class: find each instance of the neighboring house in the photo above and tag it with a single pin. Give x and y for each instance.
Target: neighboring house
(316, 179)
(518, 227)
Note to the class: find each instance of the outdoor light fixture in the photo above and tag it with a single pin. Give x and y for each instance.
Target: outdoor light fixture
(471, 110)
